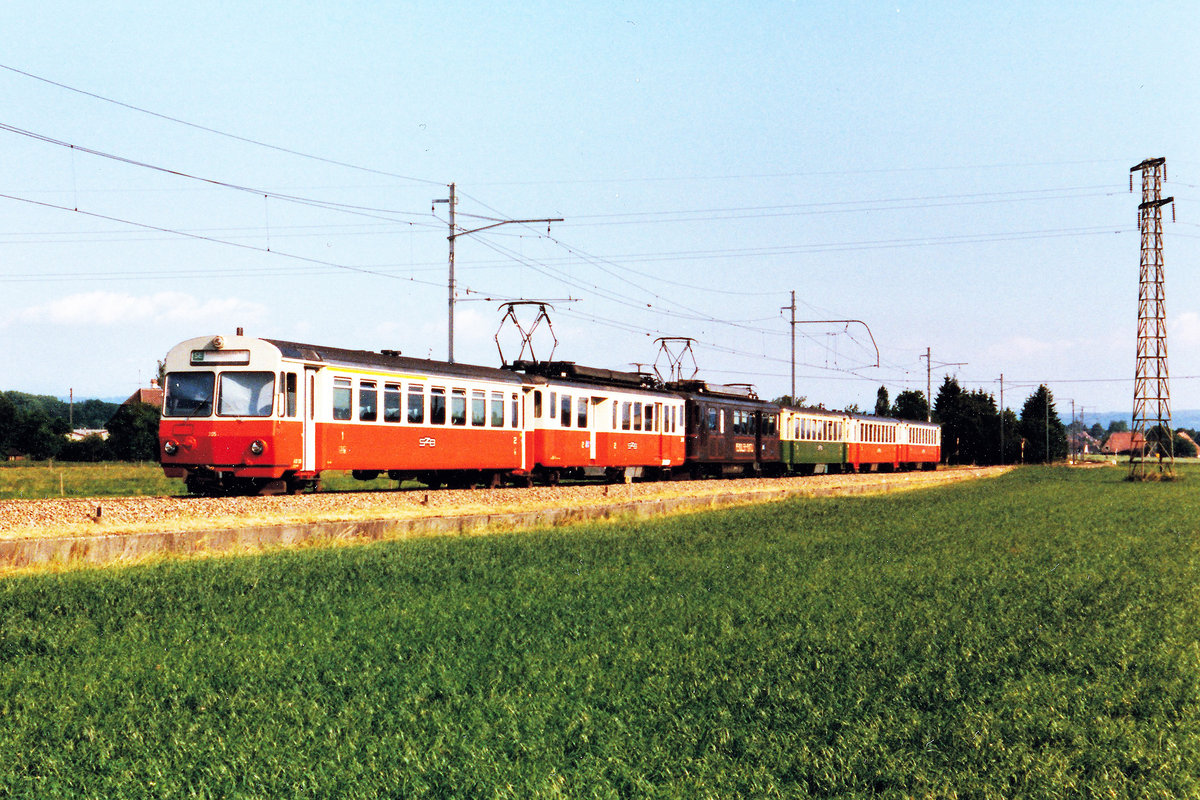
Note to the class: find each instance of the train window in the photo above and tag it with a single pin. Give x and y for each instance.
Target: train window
(246, 394)
(342, 408)
(391, 402)
(458, 406)
(497, 409)
(712, 419)
(626, 416)
(478, 408)
(552, 411)
(189, 394)
(565, 411)
(581, 412)
(616, 410)
(637, 416)
(437, 406)
(516, 411)
(537, 404)
(288, 379)
(416, 403)
(651, 420)
(368, 401)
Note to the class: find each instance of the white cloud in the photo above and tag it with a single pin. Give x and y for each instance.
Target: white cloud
(121, 308)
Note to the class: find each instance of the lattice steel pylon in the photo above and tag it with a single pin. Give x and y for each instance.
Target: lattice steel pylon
(1152, 436)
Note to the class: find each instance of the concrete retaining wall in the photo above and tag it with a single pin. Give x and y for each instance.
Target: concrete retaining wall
(116, 547)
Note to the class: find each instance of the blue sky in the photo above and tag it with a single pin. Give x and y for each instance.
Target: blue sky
(953, 174)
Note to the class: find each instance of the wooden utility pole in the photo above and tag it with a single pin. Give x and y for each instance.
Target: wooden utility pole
(792, 308)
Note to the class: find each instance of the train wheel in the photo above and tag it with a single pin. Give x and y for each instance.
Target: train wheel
(553, 476)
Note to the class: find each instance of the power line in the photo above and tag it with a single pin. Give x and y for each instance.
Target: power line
(211, 239)
(365, 211)
(217, 132)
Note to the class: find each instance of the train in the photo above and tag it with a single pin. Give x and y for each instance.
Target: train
(245, 415)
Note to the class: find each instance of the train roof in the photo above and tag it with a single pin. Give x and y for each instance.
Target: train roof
(569, 370)
(389, 360)
(725, 391)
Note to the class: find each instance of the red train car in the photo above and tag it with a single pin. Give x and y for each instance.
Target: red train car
(247, 415)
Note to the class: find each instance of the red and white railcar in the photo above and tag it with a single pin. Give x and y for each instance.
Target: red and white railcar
(242, 414)
(920, 444)
(585, 421)
(872, 443)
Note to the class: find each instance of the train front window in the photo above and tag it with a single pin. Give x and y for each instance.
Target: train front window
(189, 394)
(246, 394)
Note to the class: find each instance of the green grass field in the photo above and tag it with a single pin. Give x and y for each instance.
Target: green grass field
(1030, 636)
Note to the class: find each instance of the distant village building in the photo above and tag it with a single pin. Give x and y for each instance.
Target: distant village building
(152, 396)
(79, 434)
(1123, 443)
(1083, 443)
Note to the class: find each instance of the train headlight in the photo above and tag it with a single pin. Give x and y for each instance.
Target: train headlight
(170, 448)
(257, 447)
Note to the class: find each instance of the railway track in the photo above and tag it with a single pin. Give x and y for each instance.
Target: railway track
(31, 519)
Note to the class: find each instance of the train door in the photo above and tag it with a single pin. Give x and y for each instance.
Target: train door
(660, 430)
(309, 459)
(527, 424)
(592, 420)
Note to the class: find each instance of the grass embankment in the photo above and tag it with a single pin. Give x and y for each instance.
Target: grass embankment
(33, 480)
(1031, 636)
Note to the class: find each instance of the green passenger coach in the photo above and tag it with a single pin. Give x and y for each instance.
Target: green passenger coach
(813, 440)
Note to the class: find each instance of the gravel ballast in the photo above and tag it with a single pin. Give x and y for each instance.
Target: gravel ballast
(28, 519)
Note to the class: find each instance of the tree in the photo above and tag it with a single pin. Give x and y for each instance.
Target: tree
(1040, 425)
(133, 433)
(89, 448)
(8, 424)
(1118, 426)
(910, 404)
(788, 400)
(883, 405)
(947, 410)
(1012, 437)
(1097, 431)
(38, 435)
(1184, 447)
